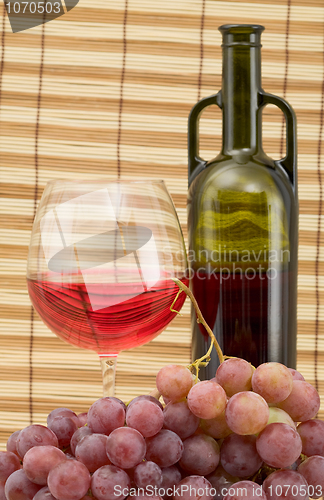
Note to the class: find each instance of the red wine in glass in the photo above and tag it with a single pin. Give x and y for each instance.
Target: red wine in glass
(87, 320)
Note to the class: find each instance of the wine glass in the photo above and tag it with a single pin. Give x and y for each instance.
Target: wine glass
(101, 260)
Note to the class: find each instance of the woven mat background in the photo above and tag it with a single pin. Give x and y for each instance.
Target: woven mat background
(105, 90)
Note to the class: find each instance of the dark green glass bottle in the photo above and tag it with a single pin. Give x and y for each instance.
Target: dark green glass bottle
(243, 219)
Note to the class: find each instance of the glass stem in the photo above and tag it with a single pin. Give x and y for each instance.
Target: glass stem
(108, 368)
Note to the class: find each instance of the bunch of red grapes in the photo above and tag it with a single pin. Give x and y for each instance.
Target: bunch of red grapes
(246, 434)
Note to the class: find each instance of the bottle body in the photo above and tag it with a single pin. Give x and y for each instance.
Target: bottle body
(242, 220)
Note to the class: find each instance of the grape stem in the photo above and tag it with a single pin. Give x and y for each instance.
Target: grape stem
(200, 319)
(155, 393)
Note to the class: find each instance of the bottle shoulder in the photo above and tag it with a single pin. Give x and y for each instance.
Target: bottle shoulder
(241, 174)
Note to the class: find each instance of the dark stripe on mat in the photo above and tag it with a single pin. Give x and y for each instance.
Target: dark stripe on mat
(2, 48)
(318, 236)
(121, 98)
(285, 83)
(32, 314)
(202, 25)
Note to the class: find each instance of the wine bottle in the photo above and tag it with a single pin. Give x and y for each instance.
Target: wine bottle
(243, 218)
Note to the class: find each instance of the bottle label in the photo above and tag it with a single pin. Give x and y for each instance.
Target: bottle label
(241, 231)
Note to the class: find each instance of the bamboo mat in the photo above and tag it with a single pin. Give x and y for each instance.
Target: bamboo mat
(105, 91)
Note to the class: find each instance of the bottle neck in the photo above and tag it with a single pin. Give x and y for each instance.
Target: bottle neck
(240, 86)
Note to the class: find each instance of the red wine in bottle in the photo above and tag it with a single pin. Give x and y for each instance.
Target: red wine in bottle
(243, 219)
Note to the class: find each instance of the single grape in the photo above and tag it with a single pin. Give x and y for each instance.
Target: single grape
(110, 483)
(92, 451)
(216, 427)
(147, 474)
(174, 382)
(207, 399)
(105, 415)
(9, 463)
(302, 403)
(179, 419)
(239, 455)
(221, 481)
(62, 412)
(78, 436)
(38, 461)
(312, 436)
(35, 435)
(245, 490)
(18, 487)
(83, 419)
(63, 428)
(145, 416)
(12, 443)
(295, 374)
(247, 413)
(279, 415)
(44, 494)
(285, 485)
(164, 449)
(147, 397)
(193, 488)
(170, 477)
(279, 445)
(312, 469)
(234, 375)
(126, 447)
(200, 455)
(69, 480)
(273, 381)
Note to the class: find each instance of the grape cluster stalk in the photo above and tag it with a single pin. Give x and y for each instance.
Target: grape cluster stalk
(247, 434)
